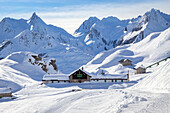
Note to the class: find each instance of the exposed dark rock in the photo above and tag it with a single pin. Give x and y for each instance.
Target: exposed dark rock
(4, 45)
(37, 58)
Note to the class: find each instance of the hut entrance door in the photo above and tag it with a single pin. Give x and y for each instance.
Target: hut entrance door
(79, 81)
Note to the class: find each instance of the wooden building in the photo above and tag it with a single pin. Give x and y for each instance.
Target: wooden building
(115, 80)
(55, 78)
(79, 76)
(140, 69)
(125, 62)
(5, 92)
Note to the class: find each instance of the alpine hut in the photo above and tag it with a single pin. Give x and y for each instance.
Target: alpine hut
(125, 62)
(5, 92)
(79, 76)
(140, 69)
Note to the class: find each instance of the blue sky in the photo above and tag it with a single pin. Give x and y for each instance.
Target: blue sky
(69, 14)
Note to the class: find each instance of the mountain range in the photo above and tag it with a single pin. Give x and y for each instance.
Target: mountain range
(30, 49)
(111, 32)
(72, 51)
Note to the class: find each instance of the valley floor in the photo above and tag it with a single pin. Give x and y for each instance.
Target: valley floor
(44, 99)
(145, 93)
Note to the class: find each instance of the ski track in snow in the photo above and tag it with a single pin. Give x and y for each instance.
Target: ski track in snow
(43, 99)
(65, 101)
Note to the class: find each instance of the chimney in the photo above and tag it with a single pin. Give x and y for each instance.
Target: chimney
(128, 76)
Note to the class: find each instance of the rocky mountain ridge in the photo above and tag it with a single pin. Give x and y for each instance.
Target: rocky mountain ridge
(91, 38)
(111, 32)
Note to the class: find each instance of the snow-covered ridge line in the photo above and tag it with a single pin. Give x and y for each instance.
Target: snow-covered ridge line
(111, 32)
(153, 48)
(38, 37)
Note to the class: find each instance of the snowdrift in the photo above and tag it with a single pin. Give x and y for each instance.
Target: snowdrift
(16, 71)
(153, 48)
(158, 79)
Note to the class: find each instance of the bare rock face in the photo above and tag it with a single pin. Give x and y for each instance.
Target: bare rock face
(53, 64)
(37, 58)
(44, 68)
(44, 65)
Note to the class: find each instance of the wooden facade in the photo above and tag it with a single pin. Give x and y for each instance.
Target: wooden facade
(79, 76)
(125, 62)
(140, 70)
(5, 94)
(55, 81)
(114, 80)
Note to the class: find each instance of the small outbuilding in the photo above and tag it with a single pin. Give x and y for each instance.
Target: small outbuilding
(55, 78)
(140, 69)
(125, 62)
(5, 92)
(79, 76)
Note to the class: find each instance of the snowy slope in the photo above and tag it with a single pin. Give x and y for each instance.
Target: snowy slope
(159, 79)
(12, 75)
(53, 41)
(153, 48)
(33, 97)
(111, 32)
(9, 28)
(25, 68)
(21, 72)
(102, 34)
(85, 26)
(139, 28)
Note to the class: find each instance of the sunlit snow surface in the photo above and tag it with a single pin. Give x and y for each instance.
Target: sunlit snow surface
(144, 93)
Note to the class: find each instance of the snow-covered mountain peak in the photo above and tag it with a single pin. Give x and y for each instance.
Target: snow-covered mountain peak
(111, 31)
(110, 19)
(37, 24)
(152, 11)
(11, 27)
(86, 25)
(6, 19)
(155, 17)
(93, 19)
(35, 19)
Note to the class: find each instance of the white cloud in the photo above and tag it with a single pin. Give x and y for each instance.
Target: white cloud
(70, 18)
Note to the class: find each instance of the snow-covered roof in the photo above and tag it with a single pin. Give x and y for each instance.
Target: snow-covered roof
(56, 77)
(109, 76)
(66, 76)
(140, 66)
(5, 90)
(60, 76)
(125, 60)
(81, 70)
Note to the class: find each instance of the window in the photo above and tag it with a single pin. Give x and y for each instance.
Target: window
(112, 80)
(104, 80)
(121, 80)
(115, 80)
(79, 75)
